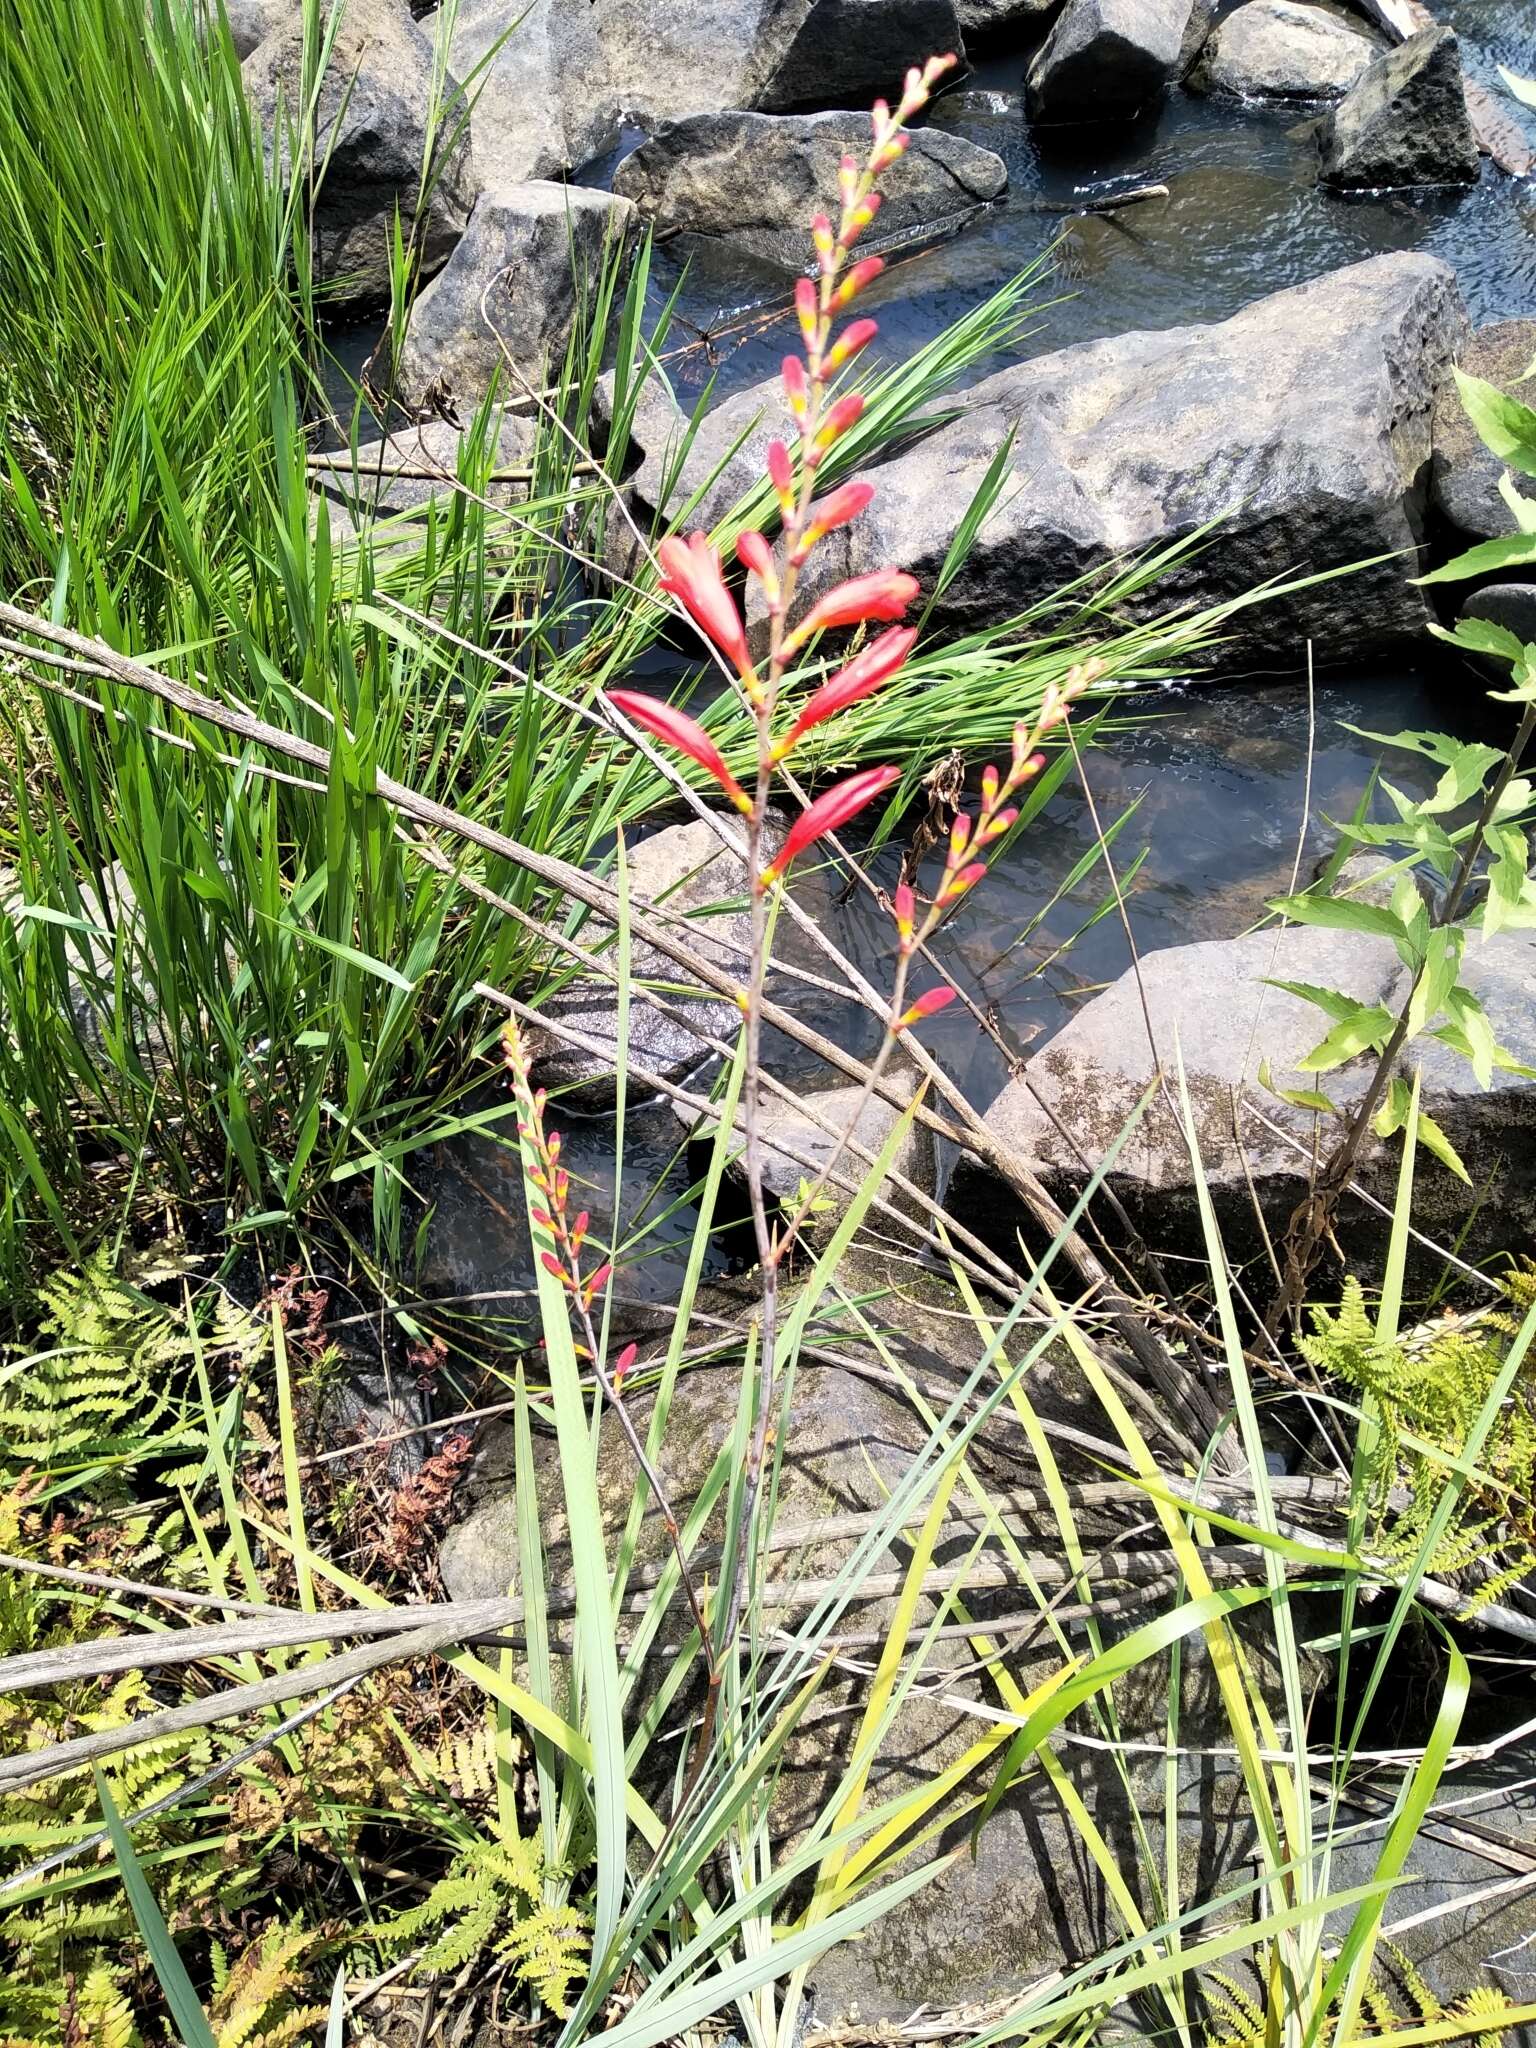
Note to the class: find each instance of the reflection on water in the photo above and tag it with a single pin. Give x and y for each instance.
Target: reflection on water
(1245, 216)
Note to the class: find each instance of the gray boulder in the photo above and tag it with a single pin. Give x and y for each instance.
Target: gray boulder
(1511, 605)
(511, 289)
(1465, 473)
(1211, 1005)
(754, 180)
(371, 124)
(556, 90)
(1302, 422)
(988, 21)
(413, 468)
(1284, 50)
(1106, 60)
(798, 1146)
(1405, 122)
(686, 874)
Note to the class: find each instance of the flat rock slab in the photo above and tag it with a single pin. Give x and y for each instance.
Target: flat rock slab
(1302, 423)
(1283, 50)
(1212, 1006)
(754, 180)
(1465, 473)
(510, 291)
(1404, 122)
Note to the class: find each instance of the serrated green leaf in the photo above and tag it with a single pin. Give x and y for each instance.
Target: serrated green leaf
(1506, 876)
(1339, 913)
(1504, 424)
(1435, 1140)
(1482, 636)
(1367, 1029)
(1442, 964)
(1329, 1000)
(1509, 551)
(1521, 508)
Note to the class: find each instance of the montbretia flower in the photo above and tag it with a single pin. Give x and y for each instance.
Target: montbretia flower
(883, 594)
(667, 723)
(927, 1005)
(846, 413)
(858, 334)
(904, 908)
(691, 572)
(756, 555)
(862, 676)
(860, 274)
(834, 807)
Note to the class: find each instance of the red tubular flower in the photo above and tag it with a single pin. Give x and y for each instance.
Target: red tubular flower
(691, 572)
(863, 675)
(925, 1006)
(883, 594)
(684, 733)
(795, 393)
(622, 1364)
(834, 807)
(781, 475)
(955, 885)
(836, 509)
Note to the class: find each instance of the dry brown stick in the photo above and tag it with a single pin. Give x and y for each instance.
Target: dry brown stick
(1185, 1393)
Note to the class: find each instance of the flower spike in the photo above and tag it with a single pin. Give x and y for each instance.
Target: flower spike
(667, 723)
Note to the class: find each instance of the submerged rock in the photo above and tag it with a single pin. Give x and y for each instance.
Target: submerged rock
(510, 290)
(415, 467)
(1106, 60)
(1302, 423)
(1465, 473)
(1214, 1007)
(371, 126)
(1283, 50)
(754, 180)
(686, 873)
(557, 89)
(1405, 121)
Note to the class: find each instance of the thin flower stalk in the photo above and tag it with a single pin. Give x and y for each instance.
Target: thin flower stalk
(691, 571)
(558, 1243)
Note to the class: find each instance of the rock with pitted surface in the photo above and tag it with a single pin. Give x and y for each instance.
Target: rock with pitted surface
(1284, 50)
(419, 466)
(510, 291)
(1216, 1008)
(1405, 121)
(1302, 423)
(556, 90)
(752, 181)
(994, 21)
(1106, 60)
(1465, 475)
(372, 121)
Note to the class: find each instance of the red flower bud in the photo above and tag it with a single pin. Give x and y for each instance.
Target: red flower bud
(684, 733)
(925, 1006)
(756, 555)
(795, 392)
(691, 572)
(834, 807)
(906, 915)
(622, 1364)
(857, 276)
(828, 513)
(856, 335)
(845, 414)
(877, 663)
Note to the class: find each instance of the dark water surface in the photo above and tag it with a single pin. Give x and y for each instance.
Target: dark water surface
(1245, 216)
